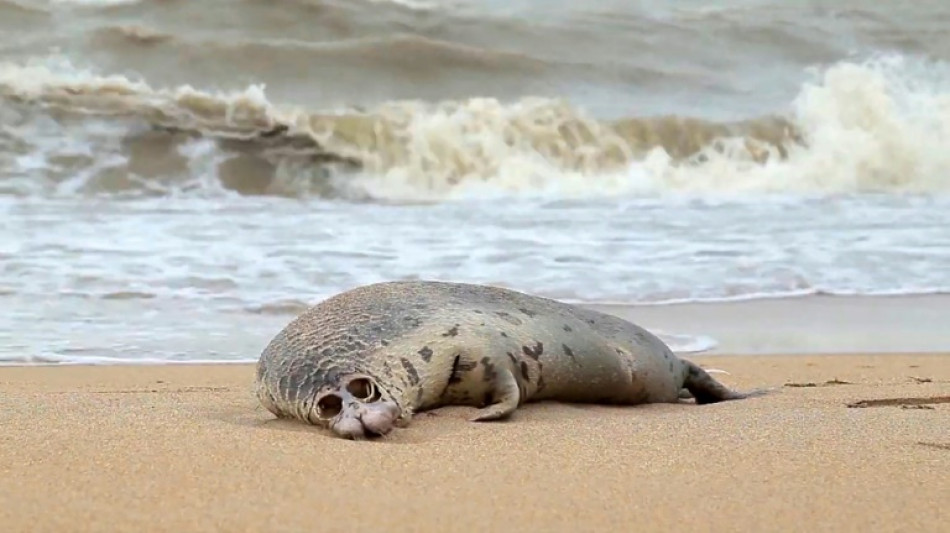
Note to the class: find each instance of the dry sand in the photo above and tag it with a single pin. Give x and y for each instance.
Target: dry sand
(186, 448)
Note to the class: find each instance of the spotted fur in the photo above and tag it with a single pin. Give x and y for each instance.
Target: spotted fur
(429, 344)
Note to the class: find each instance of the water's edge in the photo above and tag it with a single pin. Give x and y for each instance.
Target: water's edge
(811, 325)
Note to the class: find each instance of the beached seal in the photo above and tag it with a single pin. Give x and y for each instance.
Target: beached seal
(363, 361)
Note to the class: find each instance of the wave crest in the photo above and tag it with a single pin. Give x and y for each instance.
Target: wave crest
(880, 125)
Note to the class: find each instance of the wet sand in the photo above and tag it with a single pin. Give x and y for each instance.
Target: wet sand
(186, 448)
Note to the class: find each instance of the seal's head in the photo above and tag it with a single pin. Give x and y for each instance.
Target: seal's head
(356, 408)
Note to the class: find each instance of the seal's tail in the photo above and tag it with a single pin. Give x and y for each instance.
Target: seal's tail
(705, 389)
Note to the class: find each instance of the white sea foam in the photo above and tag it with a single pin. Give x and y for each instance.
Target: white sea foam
(881, 125)
(878, 125)
(679, 343)
(93, 3)
(73, 360)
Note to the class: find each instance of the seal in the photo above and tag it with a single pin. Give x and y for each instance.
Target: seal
(364, 361)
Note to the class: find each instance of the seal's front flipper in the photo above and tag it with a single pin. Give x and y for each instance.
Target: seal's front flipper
(504, 397)
(706, 389)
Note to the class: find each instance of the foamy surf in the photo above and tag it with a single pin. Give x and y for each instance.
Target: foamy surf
(679, 343)
(92, 3)
(874, 126)
(92, 360)
(684, 344)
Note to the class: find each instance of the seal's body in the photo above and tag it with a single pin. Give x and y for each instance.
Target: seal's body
(368, 358)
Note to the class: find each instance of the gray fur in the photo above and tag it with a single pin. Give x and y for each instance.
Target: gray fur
(429, 344)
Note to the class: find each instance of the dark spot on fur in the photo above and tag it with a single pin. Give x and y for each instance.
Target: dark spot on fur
(384, 342)
(410, 370)
(591, 321)
(503, 334)
(534, 352)
(568, 351)
(476, 311)
(425, 353)
(528, 312)
(508, 318)
(456, 376)
(524, 371)
(452, 332)
(671, 366)
(419, 396)
(490, 373)
(567, 328)
(541, 383)
(459, 367)
(512, 357)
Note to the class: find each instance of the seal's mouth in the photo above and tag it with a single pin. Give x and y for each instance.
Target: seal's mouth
(356, 430)
(360, 422)
(370, 433)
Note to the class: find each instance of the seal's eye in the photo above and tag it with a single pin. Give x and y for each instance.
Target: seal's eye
(364, 389)
(329, 406)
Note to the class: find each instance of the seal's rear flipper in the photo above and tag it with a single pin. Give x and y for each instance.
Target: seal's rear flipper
(705, 389)
(506, 397)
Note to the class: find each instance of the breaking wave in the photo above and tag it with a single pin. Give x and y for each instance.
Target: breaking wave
(881, 125)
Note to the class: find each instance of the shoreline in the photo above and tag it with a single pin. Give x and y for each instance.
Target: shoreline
(161, 332)
(847, 441)
(132, 363)
(811, 324)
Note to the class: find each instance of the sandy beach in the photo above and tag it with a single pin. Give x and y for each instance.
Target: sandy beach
(844, 443)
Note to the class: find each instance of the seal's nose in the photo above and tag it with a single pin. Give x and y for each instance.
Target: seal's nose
(349, 427)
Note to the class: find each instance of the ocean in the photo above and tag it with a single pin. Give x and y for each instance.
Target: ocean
(178, 179)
